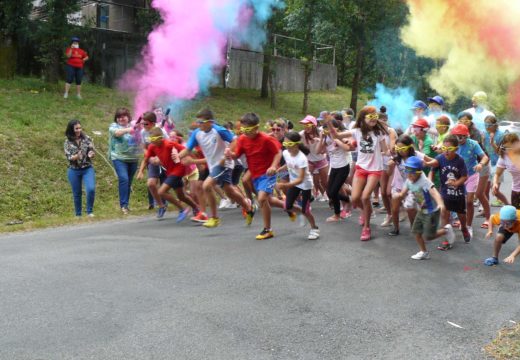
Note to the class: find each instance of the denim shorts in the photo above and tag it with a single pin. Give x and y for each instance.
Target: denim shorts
(265, 183)
(221, 175)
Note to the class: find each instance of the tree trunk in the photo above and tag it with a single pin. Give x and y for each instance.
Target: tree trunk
(266, 74)
(8, 56)
(307, 68)
(358, 74)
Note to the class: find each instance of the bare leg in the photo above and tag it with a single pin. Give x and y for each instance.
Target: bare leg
(263, 202)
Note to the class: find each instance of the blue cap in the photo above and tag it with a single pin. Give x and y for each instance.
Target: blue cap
(322, 115)
(418, 104)
(74, 39)
(413, 163)
(508, 213)
(436, 99)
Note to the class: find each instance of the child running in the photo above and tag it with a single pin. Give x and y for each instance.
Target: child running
(300, 180)
(475, 159)
(429, 205)
(453, 174)
(263, 156)
(168, 154)
(369, 135)
(509, 142)
(213, 141)
(507, 221)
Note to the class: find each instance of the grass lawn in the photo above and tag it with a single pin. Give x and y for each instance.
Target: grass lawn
(33, 182)
(506, 345)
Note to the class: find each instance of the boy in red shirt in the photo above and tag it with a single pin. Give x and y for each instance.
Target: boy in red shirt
(263, 154)
(168, 154)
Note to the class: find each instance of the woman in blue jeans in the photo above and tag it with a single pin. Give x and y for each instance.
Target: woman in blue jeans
(124, 150)
(79, 150)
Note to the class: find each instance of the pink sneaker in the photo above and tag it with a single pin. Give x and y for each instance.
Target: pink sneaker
(365, 234)
(361, 220)
(345, 214)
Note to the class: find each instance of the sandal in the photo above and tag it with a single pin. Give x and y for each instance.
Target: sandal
(484, 225)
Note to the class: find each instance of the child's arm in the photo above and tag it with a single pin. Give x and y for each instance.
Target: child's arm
(429, 162)
(384, 148)
(511, 258)
(276, 161)
(342, 145)
(438, 198)
(296, 181)
(282, 168)
(496, 180)
(142, 167)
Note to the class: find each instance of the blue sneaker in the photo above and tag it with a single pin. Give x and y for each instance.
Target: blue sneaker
(160, 212)
(491, 261)
(183, 215)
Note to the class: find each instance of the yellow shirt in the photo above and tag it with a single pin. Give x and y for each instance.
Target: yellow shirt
(495, 220)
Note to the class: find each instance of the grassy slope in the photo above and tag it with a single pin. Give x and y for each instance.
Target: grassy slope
(33, 183)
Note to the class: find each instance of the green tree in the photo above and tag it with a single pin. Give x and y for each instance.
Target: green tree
(14, 18)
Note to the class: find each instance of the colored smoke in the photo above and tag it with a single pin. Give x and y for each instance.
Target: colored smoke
(398, 103)
(185, 52)
(477, 44)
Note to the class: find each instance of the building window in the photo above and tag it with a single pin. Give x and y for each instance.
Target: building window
(103, 16)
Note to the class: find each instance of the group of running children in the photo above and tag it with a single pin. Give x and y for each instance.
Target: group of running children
(434, 170)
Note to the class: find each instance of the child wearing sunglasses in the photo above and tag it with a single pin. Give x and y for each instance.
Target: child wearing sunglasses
(493, 137)
(508, 225)
(475, 159)
(300, 180)
(263, 157)
(168, 154)
(403, 149)
(429, 205)
(453, 174)
(213, 140)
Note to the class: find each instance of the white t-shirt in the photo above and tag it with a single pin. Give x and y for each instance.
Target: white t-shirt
(506, 163)
(313, 146)
(479, 115)
(294, 165)
(213, 144)
(369, 151)
(338, 157)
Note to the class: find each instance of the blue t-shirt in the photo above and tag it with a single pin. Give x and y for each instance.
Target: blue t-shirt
(493, 156)
(470, 152)
(421, 191)
(451, 169)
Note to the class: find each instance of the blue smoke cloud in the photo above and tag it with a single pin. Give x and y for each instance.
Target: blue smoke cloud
(398, 103)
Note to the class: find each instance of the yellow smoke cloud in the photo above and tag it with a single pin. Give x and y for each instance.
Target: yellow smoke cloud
(449, 31)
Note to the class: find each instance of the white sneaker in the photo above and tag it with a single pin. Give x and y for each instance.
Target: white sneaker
(450, 234)
(314, 234)
(387, 222)
(421, 255)
(470, 230)
(66, 95)
(231, 205)
(79, 96)
(224, 203)
(323, 198)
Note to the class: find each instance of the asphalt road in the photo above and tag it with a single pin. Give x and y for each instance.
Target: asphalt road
(147, 289)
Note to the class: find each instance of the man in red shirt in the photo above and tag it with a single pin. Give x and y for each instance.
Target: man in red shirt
(168, 154)
(76, 57)
(263, 157)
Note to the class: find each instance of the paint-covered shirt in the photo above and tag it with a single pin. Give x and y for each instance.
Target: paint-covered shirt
(451, 169)
(471, 152)
(124, 148)
(421, 191)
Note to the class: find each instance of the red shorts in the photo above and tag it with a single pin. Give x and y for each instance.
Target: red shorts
(360, 172)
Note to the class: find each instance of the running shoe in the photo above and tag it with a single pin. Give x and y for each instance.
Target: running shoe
(394, 232)
(333, 218)
(470, 230)
(125, 210)
(450, 234)
(421, 255)
(445, 245)
(361, 220)
(345, 214)
(466, 235)
(365, 234)
(251, 214)
(182, 215)
(491, 261)
(224, 203)
(212, 222)
(200, 217)
(160, 212)
(265, 234)
(387, 222)
(314, 234)
(497, 203)
(292, 216)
